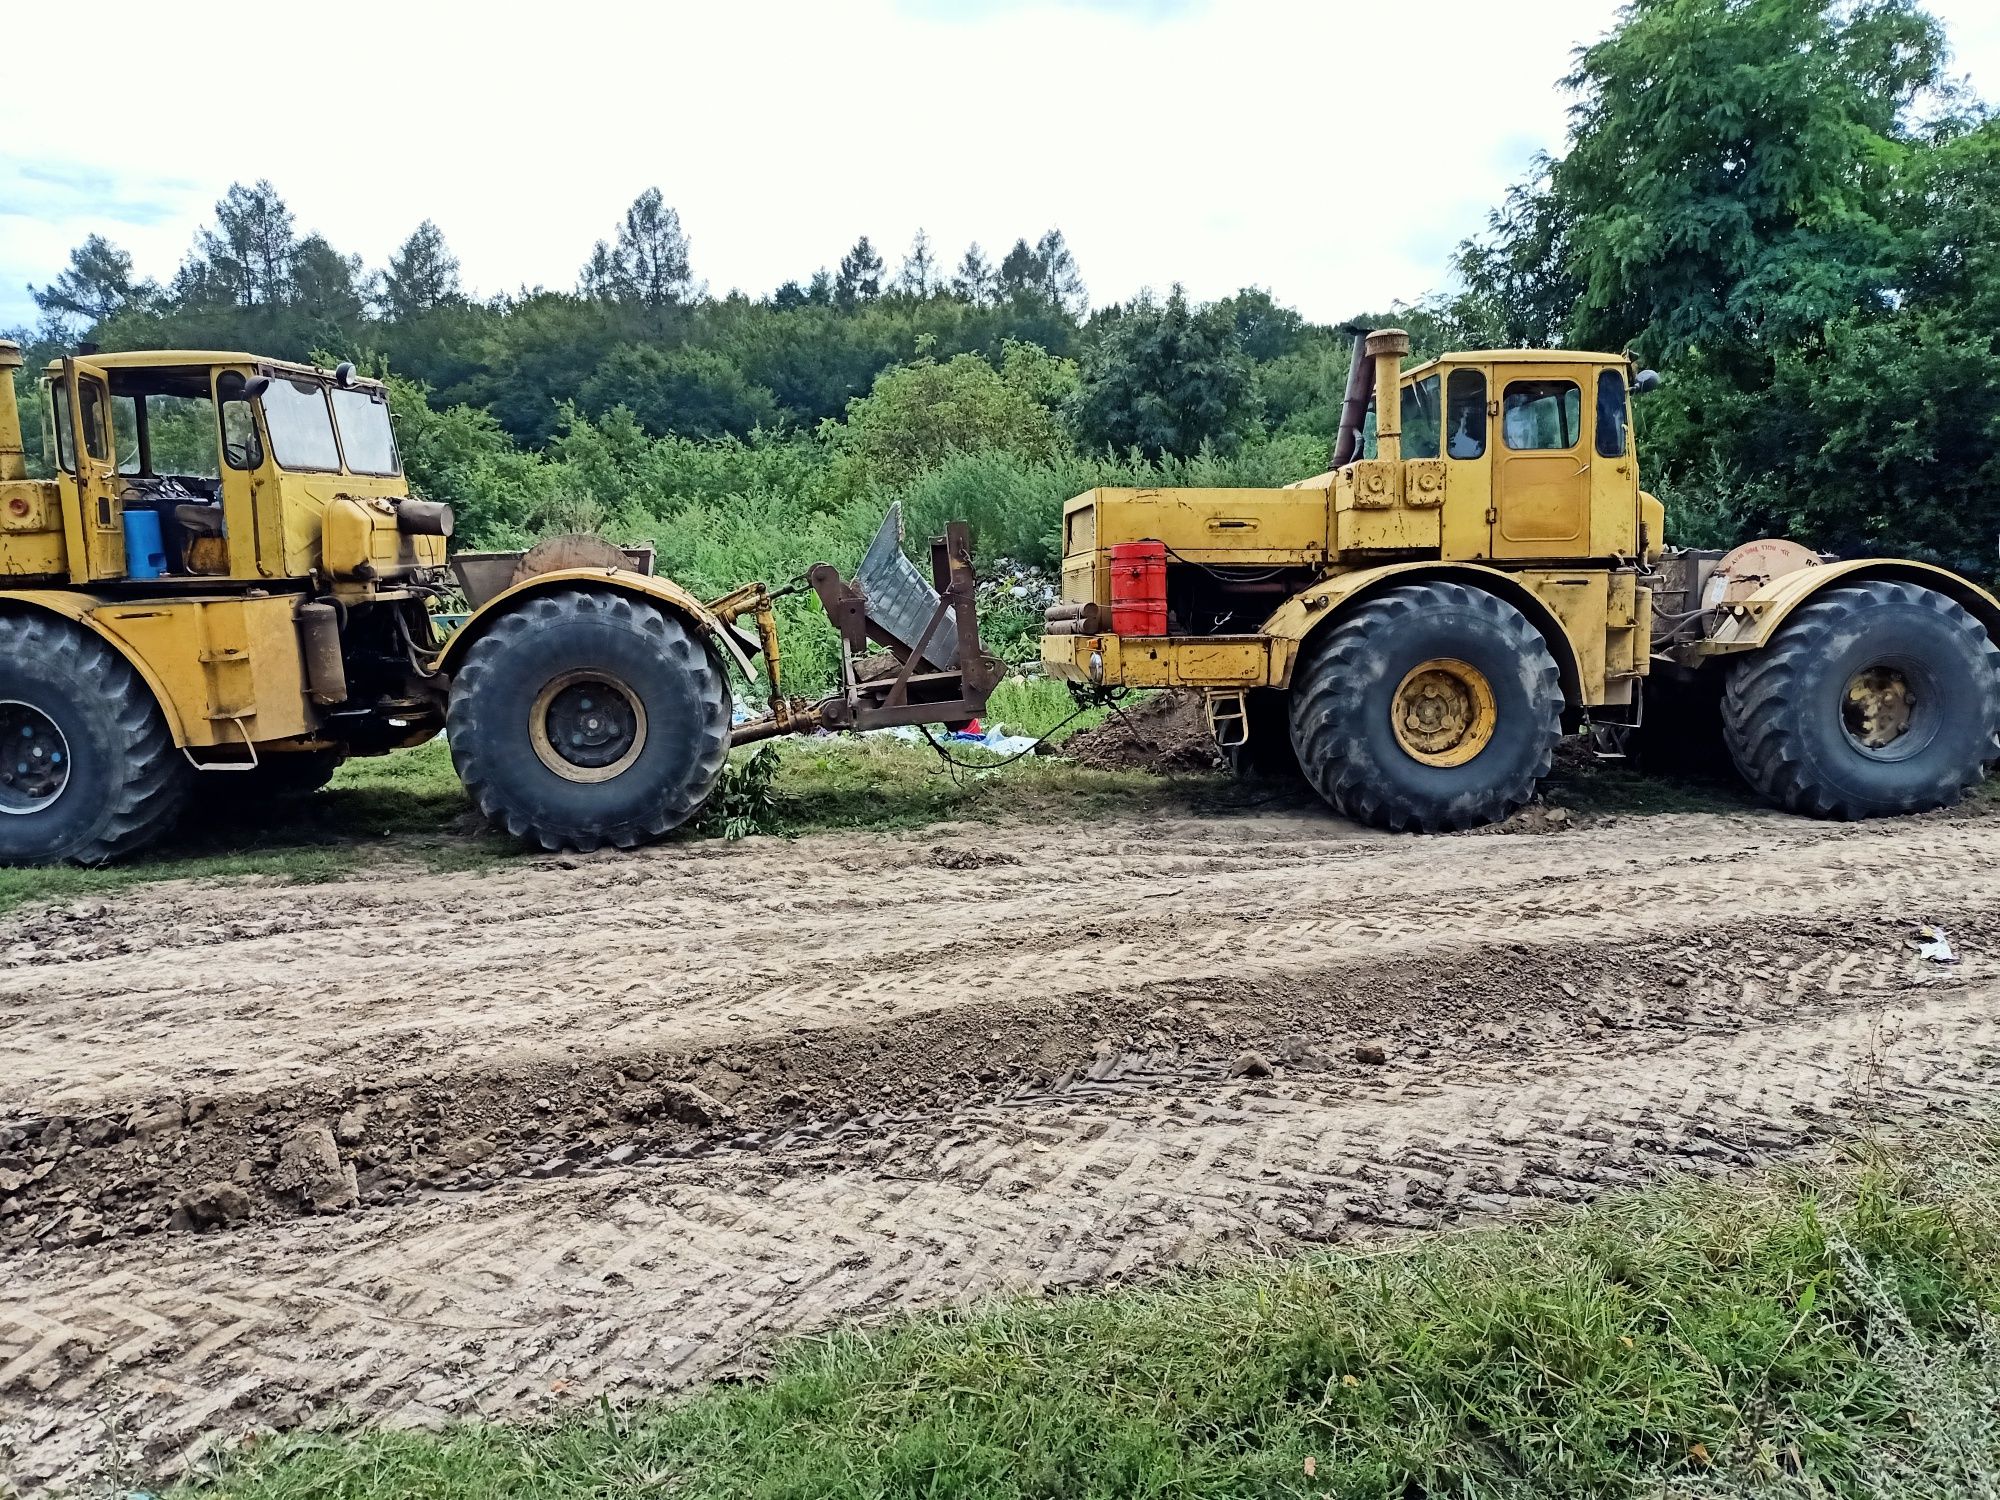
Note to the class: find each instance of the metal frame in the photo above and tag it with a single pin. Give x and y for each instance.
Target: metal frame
(875, 695)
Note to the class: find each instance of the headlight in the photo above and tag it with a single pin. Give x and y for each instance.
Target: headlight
(1097, 668)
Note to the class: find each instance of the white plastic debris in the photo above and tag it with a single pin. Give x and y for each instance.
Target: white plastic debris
(1931, 943)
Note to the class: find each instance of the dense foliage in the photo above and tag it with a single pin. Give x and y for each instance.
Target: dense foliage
(1794, 211)
(1788, 206)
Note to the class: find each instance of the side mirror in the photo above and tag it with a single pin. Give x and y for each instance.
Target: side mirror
(1646, 380)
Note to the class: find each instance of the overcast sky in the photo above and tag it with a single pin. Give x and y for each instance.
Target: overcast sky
(1170, 140)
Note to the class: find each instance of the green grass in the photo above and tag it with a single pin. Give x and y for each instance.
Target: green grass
(1038, 706)
(1820, 1333)
(406, 807)
(409, 809)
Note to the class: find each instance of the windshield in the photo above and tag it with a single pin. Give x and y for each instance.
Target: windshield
(300, 425)
(366, 435)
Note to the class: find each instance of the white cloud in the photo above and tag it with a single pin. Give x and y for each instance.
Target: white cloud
(1332, 152)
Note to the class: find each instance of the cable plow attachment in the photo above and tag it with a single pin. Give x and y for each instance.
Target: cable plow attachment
(909, 648)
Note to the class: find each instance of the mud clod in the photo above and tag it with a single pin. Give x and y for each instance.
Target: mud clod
(310, 1171)
(691, 1105)
(213, 1203)
(155, 1119)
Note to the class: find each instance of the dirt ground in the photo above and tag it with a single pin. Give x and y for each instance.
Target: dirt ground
(497, 1143)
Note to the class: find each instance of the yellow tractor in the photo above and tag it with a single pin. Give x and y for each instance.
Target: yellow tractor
(1479, 573)
(227, 581)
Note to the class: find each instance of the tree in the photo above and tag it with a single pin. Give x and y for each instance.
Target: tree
(246, 258)
(860, 278)
(917, 415)
(326, 284)
(1727, 166)
(919, 274)
(1044, 270)
(1266, 330)
(97, 283)
(693, 393)
(648, 264)
(973, 280)
(1165, 379)
(422, 275)
(1790, 207)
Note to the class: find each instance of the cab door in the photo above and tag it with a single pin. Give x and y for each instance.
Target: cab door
(1541, 464)
(87, 474)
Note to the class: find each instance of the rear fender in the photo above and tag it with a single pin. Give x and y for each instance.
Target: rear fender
(662, 591)
(1749, 624)
(1305, 614)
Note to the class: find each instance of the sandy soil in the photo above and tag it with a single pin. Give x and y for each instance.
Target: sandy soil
(462, 1144)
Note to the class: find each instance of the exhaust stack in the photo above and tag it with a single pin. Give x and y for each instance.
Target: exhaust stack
(13, 460)
(1386, 348)
(1354, 404)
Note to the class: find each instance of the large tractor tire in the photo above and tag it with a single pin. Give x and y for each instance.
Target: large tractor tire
(1874, 699)
(88, 769)
(1431, 706)
(582, 719)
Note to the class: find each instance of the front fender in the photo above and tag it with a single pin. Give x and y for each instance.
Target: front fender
(1305, 612)
(80, 609)
(662, 591)
(1749, 624)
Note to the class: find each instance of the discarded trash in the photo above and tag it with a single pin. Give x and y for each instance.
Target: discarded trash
(1931, 943)
(996, 738)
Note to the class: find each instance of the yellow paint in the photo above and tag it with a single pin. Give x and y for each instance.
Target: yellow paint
(1554, 530)
(1751, 623)
(1443, 712)
(660, 590)
(224, 664)
(1210, 661)
(1242, 526)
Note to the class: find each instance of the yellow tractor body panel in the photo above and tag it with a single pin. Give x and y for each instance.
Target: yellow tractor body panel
(1209, 661)
(641, 585)
(226, 671)
(1751, 622)
(1244, 527)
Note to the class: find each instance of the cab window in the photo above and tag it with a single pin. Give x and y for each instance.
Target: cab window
(241, 447)
(366, 434)
(1541, 414)
(301, 426)
(1420, 418)
(1465, 414)
(94, 399)
(1610, 414)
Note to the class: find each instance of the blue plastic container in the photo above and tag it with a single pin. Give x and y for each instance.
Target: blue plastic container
(145, 552)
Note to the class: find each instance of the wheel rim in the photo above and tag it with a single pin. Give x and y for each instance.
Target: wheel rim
(34, 759)
(587, 726)
(1879, 710)
(1442, 712)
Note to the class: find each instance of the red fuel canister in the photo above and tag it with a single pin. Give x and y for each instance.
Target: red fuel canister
(1139, 588)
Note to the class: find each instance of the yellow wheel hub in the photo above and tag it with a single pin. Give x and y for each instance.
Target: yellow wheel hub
(1443, 712)
(1877, 707)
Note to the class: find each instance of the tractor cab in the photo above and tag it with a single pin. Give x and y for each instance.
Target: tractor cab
(183, 466)
(1530, 451)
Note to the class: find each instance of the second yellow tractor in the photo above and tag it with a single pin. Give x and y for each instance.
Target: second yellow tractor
(1479, 573)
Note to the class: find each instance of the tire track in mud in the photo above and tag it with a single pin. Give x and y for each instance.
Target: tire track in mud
(1560, 1016)
(642, 951)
